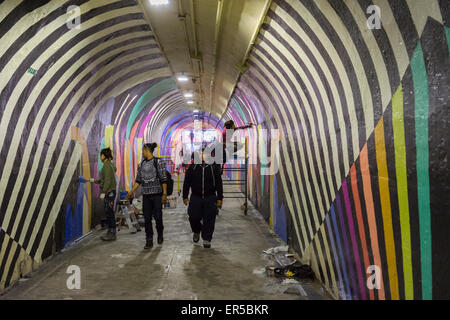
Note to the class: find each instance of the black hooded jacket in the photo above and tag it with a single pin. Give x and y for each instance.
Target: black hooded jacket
(204, 179)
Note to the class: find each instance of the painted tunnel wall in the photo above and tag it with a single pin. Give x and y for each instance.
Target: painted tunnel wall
(364, 122)
(363, 115)
(66, 93)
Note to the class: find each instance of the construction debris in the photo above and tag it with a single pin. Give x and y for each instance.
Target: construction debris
(295, 270)
(276, 250)
(284, 265)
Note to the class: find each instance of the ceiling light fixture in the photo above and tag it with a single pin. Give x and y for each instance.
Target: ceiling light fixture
(159, 2)
(188, 95)
(183, 78)
(190, 102)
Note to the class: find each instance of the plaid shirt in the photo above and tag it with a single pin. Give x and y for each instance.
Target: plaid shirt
(151, 179)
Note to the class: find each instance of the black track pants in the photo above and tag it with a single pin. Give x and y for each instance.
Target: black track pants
(202, 215)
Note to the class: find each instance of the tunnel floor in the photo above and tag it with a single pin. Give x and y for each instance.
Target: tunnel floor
(178, 269)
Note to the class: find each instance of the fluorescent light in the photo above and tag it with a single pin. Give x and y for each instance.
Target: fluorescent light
(188, 95)
(190, 102)
(196, 111)
(183, 78)
(159, 2)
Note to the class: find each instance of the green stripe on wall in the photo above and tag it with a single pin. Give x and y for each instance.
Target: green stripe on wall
(402, 188)
(154, 92)
(423, 180)
(447, 33)
(100, 163)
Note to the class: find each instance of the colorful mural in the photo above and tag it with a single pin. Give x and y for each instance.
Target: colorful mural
(92, 87)
(364, 119)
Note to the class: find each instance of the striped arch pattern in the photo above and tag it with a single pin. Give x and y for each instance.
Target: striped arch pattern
(66, 93)
(364, 121)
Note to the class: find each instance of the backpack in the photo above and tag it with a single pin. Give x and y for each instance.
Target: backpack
(169, 177)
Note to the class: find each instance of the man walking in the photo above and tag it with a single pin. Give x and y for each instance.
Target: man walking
(152, 178)
(207, 194)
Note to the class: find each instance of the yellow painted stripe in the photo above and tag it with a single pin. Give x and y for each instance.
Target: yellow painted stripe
(140, 142)
(109, 131)
(402, 188)
(383, 182)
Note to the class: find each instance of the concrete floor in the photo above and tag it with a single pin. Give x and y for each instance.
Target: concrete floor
(178, 269)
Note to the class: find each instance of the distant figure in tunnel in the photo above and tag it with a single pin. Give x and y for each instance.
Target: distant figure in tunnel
(205, 181)
(152, 178)
(227, 135)
(108, 186)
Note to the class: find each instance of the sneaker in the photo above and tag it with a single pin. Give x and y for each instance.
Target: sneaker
(160, 239)
(148, 244)
(104, 225)
(109, 236)
(196, 237)
(206, 244)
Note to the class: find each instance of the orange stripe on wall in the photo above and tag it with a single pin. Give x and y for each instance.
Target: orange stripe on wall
(368, 198)
(359, 218)
(383, 183)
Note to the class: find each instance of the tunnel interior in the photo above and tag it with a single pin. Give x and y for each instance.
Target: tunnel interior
(349, 98)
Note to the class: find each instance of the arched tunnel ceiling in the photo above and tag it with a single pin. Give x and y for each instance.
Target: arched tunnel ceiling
(209, 41)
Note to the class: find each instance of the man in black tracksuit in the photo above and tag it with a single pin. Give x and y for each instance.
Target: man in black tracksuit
(205, 180)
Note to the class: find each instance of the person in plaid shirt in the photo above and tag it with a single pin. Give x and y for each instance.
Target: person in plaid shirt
(152, 178)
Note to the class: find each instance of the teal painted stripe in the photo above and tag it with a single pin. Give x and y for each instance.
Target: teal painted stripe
(447, 33)
(130, 165)
(154, 92)
(100, 163)
(423, 180)
(238, 107)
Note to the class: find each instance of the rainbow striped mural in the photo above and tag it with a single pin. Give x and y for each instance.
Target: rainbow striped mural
(363, 117)
(364, 120)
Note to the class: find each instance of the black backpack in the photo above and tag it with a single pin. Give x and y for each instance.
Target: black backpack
(169, 176)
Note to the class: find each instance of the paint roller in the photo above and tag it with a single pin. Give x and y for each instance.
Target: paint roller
(83, 180)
